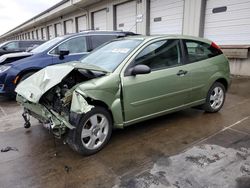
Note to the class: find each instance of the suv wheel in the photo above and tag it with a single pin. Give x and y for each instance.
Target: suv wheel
(215, 98)
(92, 133)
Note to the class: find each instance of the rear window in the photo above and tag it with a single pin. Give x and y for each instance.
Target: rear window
(198, 51)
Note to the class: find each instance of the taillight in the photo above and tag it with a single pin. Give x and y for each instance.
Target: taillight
(215, 46)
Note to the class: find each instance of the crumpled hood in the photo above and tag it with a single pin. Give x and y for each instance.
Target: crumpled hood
(39, 83)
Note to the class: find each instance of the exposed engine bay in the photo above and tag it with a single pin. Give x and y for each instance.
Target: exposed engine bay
(59, 97)
(55, 100)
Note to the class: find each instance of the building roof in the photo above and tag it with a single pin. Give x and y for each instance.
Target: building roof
(59, 9)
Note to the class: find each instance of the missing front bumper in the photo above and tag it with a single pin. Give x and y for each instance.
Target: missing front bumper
(45, 116)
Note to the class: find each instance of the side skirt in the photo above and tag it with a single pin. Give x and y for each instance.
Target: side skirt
(164, 112)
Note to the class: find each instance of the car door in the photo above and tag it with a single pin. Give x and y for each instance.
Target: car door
(166, 88)
(77, 47)
(201, 67)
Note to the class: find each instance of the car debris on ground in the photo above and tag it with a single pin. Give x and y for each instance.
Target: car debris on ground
(8, 148)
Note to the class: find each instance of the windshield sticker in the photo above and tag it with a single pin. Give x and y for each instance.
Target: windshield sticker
(121, 50)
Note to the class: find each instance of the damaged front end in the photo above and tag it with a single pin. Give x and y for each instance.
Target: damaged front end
(51, 97)
(55, 122)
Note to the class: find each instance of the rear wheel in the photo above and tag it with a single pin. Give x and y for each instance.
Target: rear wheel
(215, 98)
(92, 133)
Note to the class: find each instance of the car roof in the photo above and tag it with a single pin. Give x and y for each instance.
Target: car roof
(153, 37)
(29, 40)
(85, 33)
(101, 32)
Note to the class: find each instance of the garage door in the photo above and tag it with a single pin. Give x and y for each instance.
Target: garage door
(166, 17)
(58, 30)
(39, 34)
(228, 22)
(51, 33)
(43, 31)
(126, 16)
(32, 35)
(99, 20)
(68, 25)
(81, 23)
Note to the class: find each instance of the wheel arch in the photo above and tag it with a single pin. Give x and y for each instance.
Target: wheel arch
(221, 78)
(101, 104)
(22, 73)
(224, 82)
(111, 101)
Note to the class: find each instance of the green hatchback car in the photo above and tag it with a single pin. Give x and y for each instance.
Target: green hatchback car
(123, 82)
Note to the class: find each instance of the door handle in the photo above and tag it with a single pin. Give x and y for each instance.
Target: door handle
(182, 73)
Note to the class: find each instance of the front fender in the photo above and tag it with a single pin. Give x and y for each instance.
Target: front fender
(9, 80)
(111, 100)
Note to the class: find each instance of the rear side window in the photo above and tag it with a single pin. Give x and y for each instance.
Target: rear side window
(198, 51)
(98, 40)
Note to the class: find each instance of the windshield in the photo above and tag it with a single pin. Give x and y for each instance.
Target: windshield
(109, 56)
(47, 45)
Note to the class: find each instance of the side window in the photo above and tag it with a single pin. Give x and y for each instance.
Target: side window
(198, 51)
(12, 46)
(98, 40)
(160, 55)
(25, 44)
(28, 45)
(74, 45)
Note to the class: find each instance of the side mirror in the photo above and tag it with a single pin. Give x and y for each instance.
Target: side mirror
(4, 48)
(63, 53)
(140, 69)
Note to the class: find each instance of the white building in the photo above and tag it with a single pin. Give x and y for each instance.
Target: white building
(226, 22)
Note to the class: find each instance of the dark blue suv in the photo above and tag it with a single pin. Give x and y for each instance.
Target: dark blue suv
(58, 50)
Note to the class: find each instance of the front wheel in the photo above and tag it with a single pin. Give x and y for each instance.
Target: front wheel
(25, 76)
(92, 133)
(215, 98)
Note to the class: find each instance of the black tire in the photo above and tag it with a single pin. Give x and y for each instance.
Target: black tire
(208, 106)
(74, 137)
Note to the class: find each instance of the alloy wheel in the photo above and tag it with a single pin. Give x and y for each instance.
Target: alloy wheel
(216, 98)
(95, 131)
